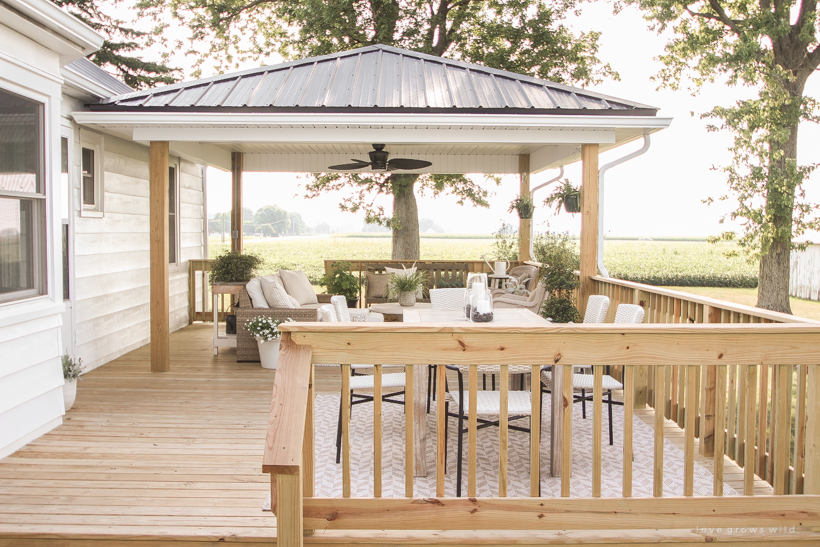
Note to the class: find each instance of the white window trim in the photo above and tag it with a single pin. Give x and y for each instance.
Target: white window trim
(95, 142)
(174, 162)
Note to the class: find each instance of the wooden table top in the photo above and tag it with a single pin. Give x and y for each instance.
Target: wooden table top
(500, 315)
(394, 308)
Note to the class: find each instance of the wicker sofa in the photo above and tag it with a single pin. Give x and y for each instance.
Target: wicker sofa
(246, 347)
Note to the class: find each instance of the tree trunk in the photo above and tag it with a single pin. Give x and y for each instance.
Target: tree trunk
(405, 218)
(775, 264)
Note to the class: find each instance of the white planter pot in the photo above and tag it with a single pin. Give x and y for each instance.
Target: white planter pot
(69, 393)
(268, 353)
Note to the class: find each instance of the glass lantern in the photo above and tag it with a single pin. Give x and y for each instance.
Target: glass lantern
(475, 282)
(481, 305)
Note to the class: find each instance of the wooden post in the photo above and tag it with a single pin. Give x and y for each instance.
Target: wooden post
(811, 484)
(708, 397)
(289, 510)
(524, 224)
(158, 190)
(237, 162)
(589, 223)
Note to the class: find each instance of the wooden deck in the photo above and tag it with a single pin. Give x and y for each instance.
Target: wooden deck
(175, 457)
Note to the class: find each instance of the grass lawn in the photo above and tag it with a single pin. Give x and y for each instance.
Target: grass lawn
(802, 308)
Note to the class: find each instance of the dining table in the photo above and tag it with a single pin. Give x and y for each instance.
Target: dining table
(455, 316)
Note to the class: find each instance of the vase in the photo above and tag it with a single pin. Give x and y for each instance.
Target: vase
(268, 353)
(69, 393)
(407, 298)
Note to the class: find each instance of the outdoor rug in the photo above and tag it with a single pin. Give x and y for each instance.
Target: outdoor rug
(328, 480)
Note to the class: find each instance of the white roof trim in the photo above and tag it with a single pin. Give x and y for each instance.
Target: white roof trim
(58, 25)
(86, 87)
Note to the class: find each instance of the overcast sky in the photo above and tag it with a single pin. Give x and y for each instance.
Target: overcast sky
(658, 194)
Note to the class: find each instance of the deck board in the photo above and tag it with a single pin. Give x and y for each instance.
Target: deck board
(175, 456)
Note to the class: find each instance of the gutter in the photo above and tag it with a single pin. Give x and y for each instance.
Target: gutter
(601, 174)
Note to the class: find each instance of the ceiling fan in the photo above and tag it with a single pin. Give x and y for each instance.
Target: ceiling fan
(379, 162)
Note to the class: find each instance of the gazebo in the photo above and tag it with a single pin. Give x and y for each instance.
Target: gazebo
(306, 115)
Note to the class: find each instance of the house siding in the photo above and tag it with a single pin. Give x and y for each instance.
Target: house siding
(112, 261)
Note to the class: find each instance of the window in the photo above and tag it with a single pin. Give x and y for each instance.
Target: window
(91, 183)
(66, 208)
(173, 229)
(22, 198)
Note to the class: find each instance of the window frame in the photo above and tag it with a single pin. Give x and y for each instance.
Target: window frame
(41, 204)
(94, 142)
(174, 226)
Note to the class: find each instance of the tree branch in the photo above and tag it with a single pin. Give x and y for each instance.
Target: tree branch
(235, 13)
(807, 7)
(723, 17)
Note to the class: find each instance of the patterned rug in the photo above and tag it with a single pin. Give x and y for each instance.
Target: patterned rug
(329, 474)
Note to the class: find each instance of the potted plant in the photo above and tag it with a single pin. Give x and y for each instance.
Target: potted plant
(266, 331)
(524, 206)
(567, 196)
(341, 281)
(233, 267)
(558, 254)
(72, 371)
(404, 287)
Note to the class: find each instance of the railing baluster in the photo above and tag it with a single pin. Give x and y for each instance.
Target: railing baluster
(742, 389)
(673, 395)
(629, 380)
(800, 431)
(503, 434)
(597, 426)
(308, 445)
(732, 407)
(681, 416)
(377, 431)
(783, 429)
(472, 434)
(345, 430)
(772, 425)
(689, 430)
(535, 432)
(763, 398)
(749, 447)
(660, 387)
(566, 440)
(441, 422)
(409, 451)
(720, 428)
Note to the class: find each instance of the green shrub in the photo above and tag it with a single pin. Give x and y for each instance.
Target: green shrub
(505, 246)
(233, 266)
(560, 259)
(341, 281)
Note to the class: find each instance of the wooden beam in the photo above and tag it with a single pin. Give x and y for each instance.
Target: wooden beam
(524, 224)
(237, 163)
(159, 307)
(589, 222)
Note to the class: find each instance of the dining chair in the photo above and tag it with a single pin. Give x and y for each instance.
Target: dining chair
(442, 299)
(488, 403)
(394, 382)
(626, 313)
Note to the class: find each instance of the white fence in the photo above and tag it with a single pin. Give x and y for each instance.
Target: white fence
(804, 281)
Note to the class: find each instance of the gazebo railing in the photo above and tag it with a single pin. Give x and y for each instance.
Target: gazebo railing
(697, 349)
(752, 404)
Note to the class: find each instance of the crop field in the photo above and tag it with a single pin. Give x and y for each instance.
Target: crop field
(681, 263)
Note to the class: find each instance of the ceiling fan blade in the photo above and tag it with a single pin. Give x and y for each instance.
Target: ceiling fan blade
(407, 163)
(349, 166)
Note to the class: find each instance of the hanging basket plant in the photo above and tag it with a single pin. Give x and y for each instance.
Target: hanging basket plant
(566, 196)
(524, 206)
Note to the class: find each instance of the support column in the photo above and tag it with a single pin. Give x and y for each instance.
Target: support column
(524, 224)
(589, 222)
(159, 307)
(237, 163)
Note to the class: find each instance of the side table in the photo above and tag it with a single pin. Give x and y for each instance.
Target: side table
(229, 340)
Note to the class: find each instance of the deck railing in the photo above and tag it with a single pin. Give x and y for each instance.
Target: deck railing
(756, 419)
(696, 349)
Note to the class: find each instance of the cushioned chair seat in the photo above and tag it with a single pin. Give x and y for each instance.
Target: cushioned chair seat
(518, 403)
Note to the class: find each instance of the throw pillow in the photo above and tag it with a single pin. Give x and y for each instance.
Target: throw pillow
(297, 285)
(276, 295)
(406, 271)
(376, 285)
(254, 288)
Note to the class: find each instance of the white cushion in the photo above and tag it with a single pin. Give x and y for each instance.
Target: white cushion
(405, 272)
(254, 288)
(275, 294)
(297, 285)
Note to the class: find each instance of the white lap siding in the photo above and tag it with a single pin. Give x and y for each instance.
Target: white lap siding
(112, 260)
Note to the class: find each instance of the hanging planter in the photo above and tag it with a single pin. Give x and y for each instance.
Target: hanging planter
(524, 206)
(572, 203)
(566, 196)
